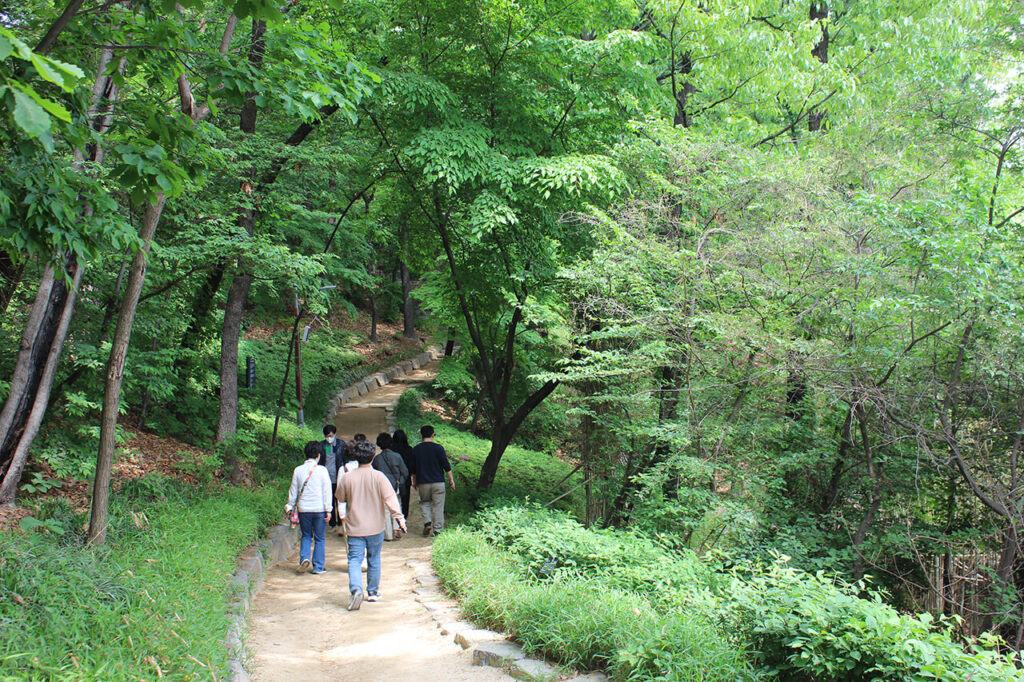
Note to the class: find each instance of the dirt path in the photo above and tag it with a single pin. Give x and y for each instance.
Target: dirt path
(301, 631)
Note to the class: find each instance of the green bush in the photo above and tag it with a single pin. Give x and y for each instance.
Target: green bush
(808, 627)
(153, 597)
(582, 622)
(549, 543)
(618, 600)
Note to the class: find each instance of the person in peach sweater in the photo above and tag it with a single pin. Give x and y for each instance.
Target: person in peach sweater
(363, 494)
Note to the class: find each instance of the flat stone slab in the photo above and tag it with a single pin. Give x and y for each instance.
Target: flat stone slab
(427, 591)
(449, 616)
(497, 654)
(428, 580)
(468, 639)
(590, 677)
(532, 669)
(452, 627)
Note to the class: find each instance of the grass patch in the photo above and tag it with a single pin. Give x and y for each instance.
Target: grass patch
(151, 603)
(582, 622)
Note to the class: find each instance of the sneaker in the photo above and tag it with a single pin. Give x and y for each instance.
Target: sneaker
(426, 530)
(357, 600)
(320, 571)
(305, 565)
(373, 596)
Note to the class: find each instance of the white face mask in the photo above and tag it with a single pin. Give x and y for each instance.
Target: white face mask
(331, 439)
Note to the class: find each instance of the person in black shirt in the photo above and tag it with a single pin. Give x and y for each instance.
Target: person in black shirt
(429, 466)
(400, 444)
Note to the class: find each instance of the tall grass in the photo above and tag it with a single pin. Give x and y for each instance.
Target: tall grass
(150, 604)
(606, 598)
(581, 622)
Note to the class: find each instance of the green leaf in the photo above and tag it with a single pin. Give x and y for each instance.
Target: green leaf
(52, 107)
(29, 116)
(5, 47)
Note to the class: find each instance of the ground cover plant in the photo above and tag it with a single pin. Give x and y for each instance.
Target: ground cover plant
(620, 601)
(150, 604)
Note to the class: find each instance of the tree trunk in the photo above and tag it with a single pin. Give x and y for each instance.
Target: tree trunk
(38, 358)
(115, 374)
(819, 13)
(408, 303)
(10, 277)
(238, 292)
(227, 422)
(503, 432)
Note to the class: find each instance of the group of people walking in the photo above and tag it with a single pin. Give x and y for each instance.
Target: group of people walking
(363, 488)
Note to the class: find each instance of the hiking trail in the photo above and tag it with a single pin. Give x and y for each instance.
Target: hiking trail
(300, 628)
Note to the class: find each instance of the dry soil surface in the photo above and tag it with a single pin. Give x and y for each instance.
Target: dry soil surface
(301, 630)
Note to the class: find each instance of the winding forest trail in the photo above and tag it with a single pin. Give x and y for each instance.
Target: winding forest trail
(300, 628)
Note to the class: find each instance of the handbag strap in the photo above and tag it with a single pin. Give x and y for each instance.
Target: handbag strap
(391, 467)
(299, 496)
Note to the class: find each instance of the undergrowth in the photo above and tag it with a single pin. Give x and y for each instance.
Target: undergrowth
(600, 598)
(149, 604)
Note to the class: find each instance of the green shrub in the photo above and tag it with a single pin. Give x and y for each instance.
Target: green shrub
(582, 622)
(808, 627)
(550, 544)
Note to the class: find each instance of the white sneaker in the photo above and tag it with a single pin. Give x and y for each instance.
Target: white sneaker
(305, 565)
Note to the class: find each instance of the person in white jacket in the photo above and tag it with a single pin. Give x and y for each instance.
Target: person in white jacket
(311, 494)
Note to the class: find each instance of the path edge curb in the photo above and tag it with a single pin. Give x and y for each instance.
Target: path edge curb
(487, 647)
(381, 377)
(245, 583)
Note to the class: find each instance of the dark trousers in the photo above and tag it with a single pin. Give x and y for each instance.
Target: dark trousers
(335, 520)
(403, 496)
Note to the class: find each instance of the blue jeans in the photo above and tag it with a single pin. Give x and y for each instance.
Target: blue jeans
(371, 546)
(314, 530)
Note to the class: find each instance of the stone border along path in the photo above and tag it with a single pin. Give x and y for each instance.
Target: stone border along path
(488, 648)
(394, 374)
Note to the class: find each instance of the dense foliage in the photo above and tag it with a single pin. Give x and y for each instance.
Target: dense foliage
(753, 269)
(619, 601)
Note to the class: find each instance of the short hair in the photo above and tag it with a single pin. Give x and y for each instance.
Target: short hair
(329, 429)
(426, 431)
(365, 451)
(384, 441)
(314, 449)
(358, 437)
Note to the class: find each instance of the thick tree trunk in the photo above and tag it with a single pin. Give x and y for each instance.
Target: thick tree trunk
(227, 422)
(115, 373)
(238, 292)
(38, 358)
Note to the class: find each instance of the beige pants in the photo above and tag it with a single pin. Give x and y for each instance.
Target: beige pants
(432, 503)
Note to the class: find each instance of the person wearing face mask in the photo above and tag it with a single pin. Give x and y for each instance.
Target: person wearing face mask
(333, 458)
